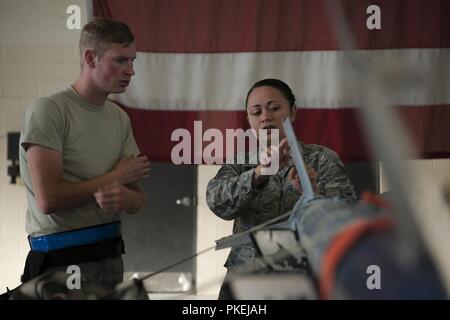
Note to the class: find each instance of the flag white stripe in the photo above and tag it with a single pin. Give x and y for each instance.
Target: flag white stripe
(167, 81)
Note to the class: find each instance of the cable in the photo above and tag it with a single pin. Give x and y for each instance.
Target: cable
(110, 293)
(176, 263)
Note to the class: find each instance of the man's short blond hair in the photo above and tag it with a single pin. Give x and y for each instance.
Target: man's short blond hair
(99, 33)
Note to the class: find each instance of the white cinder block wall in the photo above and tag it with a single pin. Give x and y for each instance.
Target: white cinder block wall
(38, 56)
(438, 169)
(210, 269)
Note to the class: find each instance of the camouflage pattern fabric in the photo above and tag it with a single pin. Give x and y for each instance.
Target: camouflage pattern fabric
(231, 196)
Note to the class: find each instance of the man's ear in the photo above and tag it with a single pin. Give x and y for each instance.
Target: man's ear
(293, 113)
(90, 57)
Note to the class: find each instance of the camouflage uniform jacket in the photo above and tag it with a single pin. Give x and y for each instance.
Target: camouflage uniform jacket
(230, 194)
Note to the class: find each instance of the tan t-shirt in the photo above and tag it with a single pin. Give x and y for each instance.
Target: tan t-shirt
(91, 139)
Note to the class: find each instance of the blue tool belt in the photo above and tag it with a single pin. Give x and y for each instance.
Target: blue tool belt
(74, 238)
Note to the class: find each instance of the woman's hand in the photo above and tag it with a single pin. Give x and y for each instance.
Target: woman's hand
(295, 180)
(282, 155)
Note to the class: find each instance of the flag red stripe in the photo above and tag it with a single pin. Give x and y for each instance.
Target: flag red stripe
(207, 26)
(338, 129)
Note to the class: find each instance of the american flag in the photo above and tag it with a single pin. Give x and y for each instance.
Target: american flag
(197, 59)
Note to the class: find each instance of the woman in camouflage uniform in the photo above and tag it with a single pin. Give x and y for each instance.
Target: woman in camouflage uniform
(239, 192)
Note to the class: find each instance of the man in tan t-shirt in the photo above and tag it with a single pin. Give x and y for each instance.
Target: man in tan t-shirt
(80, 163)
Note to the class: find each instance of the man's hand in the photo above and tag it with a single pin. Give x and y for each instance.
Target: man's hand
(295, 180)
(132, 169)
(112, 198)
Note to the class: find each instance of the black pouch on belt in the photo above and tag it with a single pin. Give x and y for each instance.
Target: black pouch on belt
(37, 262)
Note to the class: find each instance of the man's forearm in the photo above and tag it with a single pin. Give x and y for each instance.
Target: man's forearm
(65, 194)
(134, 201)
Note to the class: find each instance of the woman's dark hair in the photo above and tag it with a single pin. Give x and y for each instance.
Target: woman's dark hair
(277, 84)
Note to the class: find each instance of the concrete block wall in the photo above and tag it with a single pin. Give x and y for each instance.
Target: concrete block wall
(38, 56)
(210, 269)
(438, 169)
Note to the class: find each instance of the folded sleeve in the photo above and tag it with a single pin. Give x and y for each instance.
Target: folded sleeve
(43, 125)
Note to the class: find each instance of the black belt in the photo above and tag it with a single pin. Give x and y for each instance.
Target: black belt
(38, 262)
